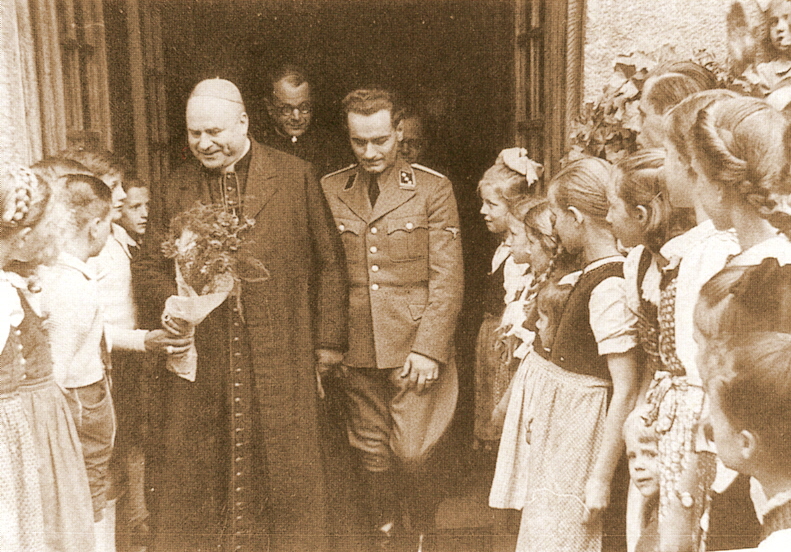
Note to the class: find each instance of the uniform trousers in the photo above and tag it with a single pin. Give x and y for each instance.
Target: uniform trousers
(388, 422)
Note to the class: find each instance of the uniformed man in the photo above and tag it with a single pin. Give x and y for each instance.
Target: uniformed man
(400, 229)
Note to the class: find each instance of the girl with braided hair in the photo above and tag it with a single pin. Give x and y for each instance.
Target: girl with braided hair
(576, 489)
(738, 154)
(21, 515)
(533, 242)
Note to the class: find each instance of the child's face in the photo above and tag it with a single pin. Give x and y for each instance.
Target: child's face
(520, 249)
(113, 180)
(680, 178)
(779, 15)
(134, 213)
(538, 257)
(643, 465)
(494, 210)
(729, 440)
(626, 226)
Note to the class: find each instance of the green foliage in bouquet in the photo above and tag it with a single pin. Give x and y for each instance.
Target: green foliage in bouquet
(206, 243)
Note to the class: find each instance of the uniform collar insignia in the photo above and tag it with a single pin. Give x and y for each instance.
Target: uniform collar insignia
(406, 180)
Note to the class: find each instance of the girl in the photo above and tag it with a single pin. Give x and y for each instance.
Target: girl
(737, 151)
(21, 516)
(502, 187)
(738, 321)
(550, 302)
(66, 498)
(533, 242)
(664, 88)
(676, 395)
(594, 385)
(640, 217)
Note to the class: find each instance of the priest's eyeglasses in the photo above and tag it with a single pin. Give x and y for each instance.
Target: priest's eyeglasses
(285, 109)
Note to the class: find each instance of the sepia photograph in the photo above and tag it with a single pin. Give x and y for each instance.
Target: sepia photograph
(395, 275)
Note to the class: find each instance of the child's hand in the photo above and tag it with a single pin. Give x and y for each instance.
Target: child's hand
(597, 497)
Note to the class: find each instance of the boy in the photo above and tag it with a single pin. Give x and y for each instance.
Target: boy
(134, 213)
(112, 266)
(642, 449)
(88, 317)
(130, 381)
(80, 355)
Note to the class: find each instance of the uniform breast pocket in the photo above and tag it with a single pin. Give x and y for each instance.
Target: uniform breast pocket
(407, 238)
(353, 236)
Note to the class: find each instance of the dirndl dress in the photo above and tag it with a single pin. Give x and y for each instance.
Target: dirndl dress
(677, 404)
(21, 520)
(563, 426)
(65, 494)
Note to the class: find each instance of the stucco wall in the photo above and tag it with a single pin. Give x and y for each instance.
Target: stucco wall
(616, 27)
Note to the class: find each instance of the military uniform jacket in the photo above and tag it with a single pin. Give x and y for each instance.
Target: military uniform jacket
(404, 263)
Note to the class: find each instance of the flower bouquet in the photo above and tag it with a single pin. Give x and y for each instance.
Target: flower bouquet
(206, 244)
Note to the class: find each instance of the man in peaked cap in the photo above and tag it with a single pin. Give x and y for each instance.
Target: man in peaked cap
(238, 463)
(400, 229)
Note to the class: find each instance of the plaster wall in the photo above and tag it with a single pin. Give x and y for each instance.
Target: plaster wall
(618, 27)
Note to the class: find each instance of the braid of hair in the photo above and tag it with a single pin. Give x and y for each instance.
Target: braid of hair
(17, 185)
(659, 211)
(711, 147)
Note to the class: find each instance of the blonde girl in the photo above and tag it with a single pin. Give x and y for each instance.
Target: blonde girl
(577, 486)
(21, 515)
(504, 185)
(738, 154)
(640, 218)
(533, 242)
(676, 397)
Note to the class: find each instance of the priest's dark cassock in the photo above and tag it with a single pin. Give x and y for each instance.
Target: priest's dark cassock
(235, 457)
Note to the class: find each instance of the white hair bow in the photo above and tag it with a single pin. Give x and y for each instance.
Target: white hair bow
(517, 160)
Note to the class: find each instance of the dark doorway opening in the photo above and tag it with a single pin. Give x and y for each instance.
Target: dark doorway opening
(453, 59)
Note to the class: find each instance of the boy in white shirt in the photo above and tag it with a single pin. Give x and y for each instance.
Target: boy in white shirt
(73, 303)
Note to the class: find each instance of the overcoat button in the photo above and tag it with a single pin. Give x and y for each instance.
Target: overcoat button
(409, 226)
(374, 230)
(341, 227)
(373, 249)
(375, 268)
(374, 287)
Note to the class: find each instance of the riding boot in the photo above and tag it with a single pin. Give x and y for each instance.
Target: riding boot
(382, 503)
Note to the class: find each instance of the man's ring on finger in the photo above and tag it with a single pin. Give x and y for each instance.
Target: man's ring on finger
(166, 318)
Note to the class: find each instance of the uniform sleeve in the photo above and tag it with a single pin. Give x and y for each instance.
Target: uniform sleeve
(613, 324)
(330, 282)
(435, 336)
